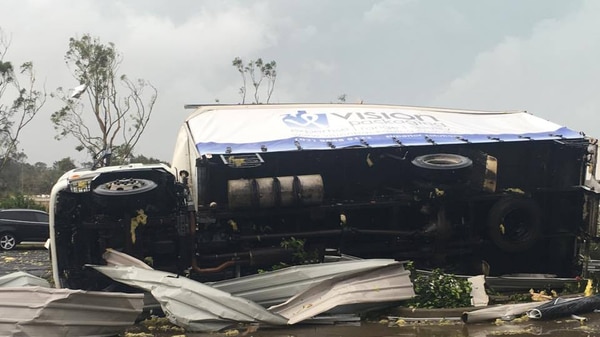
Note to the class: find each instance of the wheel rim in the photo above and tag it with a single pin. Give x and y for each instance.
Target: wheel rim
(126, 186)
(7, 242)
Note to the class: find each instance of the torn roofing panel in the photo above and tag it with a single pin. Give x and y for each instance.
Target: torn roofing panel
(116, 258)
(200, 307)
(376, 286)
(190, 304)
(41, 311)
(22, 279)
(276, 287)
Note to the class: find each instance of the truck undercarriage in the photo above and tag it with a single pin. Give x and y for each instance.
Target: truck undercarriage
(495, 207)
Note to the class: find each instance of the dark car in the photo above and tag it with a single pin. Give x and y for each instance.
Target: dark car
(19, 225)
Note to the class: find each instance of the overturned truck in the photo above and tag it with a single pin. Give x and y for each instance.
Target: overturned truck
(254, 187)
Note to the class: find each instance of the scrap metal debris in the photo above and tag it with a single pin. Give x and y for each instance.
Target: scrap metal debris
(565, 307)
(50, 312)
(201, 307)
(22, 279)
(505, 312)
(190, 304)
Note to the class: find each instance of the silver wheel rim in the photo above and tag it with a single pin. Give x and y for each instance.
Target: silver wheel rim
(126, 186)
(7, 242)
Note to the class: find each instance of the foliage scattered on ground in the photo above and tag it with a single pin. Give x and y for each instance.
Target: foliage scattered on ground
(394, 322)
(440, 290)
(155, 326)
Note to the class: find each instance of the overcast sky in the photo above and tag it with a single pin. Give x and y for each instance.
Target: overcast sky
(542, 56)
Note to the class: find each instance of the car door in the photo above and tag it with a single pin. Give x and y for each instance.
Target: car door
(22, 221)
(28, 225)
(41, 230)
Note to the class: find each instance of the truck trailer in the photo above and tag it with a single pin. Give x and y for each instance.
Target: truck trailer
(264, 186)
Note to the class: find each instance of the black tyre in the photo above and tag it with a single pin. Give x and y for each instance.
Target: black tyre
(442, 161)
(514, 224)
(126, 186)
(444, 168)
(8, 241)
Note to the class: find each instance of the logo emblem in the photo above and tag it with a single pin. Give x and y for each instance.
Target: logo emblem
(302, 119)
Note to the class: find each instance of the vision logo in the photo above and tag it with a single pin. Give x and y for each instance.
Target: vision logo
(302, 119)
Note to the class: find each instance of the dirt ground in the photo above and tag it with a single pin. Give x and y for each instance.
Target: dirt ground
(31, 258)
(34, 259)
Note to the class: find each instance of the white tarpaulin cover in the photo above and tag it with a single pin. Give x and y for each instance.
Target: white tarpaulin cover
(273, 128)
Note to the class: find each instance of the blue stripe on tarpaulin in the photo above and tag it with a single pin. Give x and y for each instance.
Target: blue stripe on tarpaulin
(375, 141)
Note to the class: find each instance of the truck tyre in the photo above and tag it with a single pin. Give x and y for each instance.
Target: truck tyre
(442, 161)
(442, 167)
(514, 224)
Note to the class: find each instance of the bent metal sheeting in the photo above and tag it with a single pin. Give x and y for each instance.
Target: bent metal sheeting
(50, 312)
(195, 306)
(277, 128)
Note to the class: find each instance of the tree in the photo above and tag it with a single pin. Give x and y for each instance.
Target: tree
(257, 71)
(19, 177)
(146, 160)
(20, 201)
(19, 103)
(64, 165)
(12, 176)
(121, 108)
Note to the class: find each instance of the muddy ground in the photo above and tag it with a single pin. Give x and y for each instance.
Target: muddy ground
(34, 259)
(31, 258)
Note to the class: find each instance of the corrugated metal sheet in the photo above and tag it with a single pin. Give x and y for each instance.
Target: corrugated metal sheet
(22, 279)
(276, 287)
(49, 312)
(376, 286)
(190, 304)
(200, 307)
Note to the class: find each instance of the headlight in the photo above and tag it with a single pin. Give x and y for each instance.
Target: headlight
(81, 181)
(80, 186)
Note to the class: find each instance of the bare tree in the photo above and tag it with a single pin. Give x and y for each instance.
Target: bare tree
(19, 102)
(121, 108)
(257, 71)
(239, 64)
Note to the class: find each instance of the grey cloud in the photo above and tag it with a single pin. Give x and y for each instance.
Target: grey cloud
(550, 72)
(536, 55)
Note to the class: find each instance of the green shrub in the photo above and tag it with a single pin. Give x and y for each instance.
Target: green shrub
(299, 254)
(20, 201)
(440, 290)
